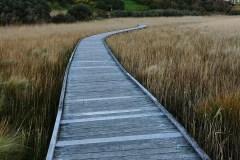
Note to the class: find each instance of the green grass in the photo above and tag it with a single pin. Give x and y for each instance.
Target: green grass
(56, 6)
(133, 6)
(236, 7)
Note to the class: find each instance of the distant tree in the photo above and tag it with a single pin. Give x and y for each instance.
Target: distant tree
(164, 4)
(234, 12)
(118, 5)
(87, 2)
(24, 12)
(80, 12)
(61, 1)
(102, 5)
(64, 3)
(61, 18)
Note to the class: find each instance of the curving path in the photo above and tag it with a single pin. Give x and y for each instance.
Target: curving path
(106, 114)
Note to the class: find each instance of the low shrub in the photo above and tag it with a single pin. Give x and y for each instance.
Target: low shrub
(234, 12)
(80, 12)
(63, 18)
(120, 13)
(24, 12)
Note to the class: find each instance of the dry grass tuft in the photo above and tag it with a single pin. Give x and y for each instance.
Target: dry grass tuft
(192, 66)
(9, 142)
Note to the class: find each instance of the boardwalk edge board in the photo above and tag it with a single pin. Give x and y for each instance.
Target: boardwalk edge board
(53, 142)
(185, 134)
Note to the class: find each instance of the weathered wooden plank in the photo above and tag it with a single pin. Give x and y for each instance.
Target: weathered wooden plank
(111, 103)
(135, 132)
(178, 143)
(140, 109)
(103, 85)
(104, 97)
(164, 145)
(164, 153)
(74, 115)
(62, 143)
(114, 131)
(99, 96)
(110, 118)
(162, 122)
(94, 68)
(100, 78)
(81, 62)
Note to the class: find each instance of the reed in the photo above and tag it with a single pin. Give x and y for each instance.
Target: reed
(9, 141)
(192, 68)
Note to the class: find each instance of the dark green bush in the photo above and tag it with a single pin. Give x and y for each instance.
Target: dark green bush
(102, 5)
(24, 12)
(121, 13)
(137, 14)
(155, 13)
(108, 5)
(118, 5)
(234, 12)
(64, 3)
(61, 18)
(80, 12)
(173, 13)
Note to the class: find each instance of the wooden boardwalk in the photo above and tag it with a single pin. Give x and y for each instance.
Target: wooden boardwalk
(105, 114)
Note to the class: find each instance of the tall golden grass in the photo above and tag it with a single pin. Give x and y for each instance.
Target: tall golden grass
(193, 69)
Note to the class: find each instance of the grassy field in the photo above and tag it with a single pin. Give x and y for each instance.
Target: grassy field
(133, 6)
(193, 69)
(33, 60)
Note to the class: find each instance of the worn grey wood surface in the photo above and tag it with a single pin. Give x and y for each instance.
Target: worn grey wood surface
(107, 116)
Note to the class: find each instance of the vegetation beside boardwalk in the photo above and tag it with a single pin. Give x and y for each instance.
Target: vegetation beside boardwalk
(32, 65)
(193, 70)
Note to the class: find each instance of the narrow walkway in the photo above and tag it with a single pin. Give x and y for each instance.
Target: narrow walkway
(107, 115)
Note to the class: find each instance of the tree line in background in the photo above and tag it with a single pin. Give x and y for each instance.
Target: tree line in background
(197, 5)
(105, 5)
(24, 11)
(38, 11)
